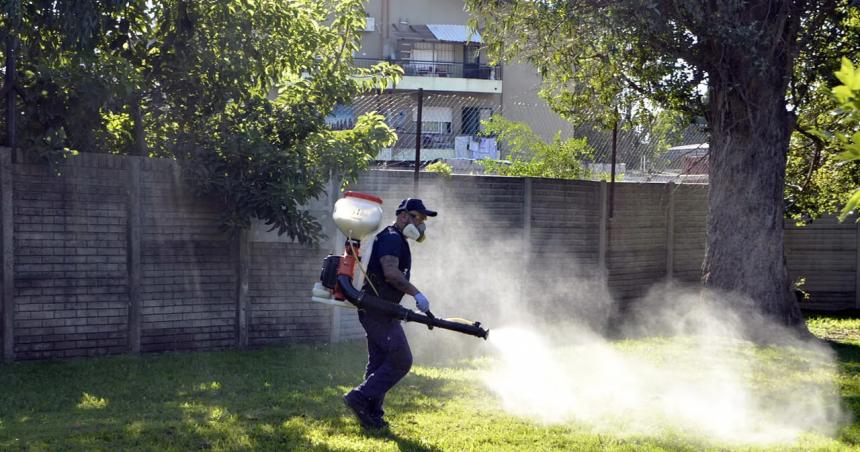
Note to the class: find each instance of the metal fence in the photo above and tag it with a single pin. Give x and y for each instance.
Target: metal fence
(436, 68)
(452, 129)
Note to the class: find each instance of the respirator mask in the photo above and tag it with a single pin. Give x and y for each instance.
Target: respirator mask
(415, 232)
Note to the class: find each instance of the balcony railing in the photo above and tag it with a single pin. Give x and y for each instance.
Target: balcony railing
(422, 68)
(459, 145)
(406, 140)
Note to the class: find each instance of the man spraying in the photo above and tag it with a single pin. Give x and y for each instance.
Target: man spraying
(389, 356)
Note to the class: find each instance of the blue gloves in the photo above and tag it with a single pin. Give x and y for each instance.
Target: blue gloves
(421, 302)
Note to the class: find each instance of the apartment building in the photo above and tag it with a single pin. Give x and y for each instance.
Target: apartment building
(443, 60)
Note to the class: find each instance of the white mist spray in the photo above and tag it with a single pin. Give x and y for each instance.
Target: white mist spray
(692, 373)
(700, 385)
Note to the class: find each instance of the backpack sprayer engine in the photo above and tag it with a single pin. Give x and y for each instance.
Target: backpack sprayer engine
(357, 215)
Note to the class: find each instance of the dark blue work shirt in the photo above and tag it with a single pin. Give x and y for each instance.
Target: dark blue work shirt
(389, 242)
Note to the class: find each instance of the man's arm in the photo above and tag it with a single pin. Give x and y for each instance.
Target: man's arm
(393, 275)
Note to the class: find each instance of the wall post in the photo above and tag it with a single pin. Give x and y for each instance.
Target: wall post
(602, 244)
(243, 264)
(133, 253)
(857, 267)
(337, 240)
(7, 250)
(527, 235)
(670, 231)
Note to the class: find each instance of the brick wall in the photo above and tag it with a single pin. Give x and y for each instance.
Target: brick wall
(690, 219)
(7, 255)
(825, 253)
(70, 265)
(565, 225)
(282, 275)
(637, 247)
(564, 247)
(188, 292)
(116, 255)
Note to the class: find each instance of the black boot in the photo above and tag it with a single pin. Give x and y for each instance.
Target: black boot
(376, 411)
(360, 406)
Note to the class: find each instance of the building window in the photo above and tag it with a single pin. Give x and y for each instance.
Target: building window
(435, 127)
(433, 51)
(472, 117)
(434, 119)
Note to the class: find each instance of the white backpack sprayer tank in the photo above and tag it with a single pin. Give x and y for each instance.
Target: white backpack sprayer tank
(357, 215)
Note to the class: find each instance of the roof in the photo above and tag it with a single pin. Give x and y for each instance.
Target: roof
(413, 32)
(436, 32)
(454, 33)
(690, 146)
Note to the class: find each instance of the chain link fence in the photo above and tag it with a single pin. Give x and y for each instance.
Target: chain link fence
(451, 130)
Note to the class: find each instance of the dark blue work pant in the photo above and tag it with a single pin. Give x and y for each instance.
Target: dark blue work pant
(389, 357)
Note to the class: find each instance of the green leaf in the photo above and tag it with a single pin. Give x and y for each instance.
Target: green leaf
(850, 206)
(852, 152)
(848, 75)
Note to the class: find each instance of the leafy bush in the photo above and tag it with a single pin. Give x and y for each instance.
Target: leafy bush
(441, 168)
(531, 156)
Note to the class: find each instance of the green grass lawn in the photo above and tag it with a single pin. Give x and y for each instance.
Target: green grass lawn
(288, 398)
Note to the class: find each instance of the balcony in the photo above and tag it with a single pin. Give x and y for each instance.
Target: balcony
(444, 75)
(441, 146)
(439, 68)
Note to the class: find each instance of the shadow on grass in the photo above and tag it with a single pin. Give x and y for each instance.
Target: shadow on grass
(849, 354)
(274, 398)
(849, 363)
(402, 442)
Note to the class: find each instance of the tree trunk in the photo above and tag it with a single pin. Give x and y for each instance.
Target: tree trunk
(139, 137)
(749, 141)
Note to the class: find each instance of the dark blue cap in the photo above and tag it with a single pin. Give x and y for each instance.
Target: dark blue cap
(414, 205)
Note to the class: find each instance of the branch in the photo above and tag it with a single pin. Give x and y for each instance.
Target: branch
(639, 89)
(818, 145)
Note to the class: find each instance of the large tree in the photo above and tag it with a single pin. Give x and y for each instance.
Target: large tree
(237, 91)
(731, 61)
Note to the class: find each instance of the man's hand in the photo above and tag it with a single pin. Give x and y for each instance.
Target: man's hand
(421, 302)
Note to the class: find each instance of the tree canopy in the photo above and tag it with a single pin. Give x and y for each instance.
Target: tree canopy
(847, 94)
(646, 56)
(747, 66)
(236, 91)
(815, 179)
(597, 75)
